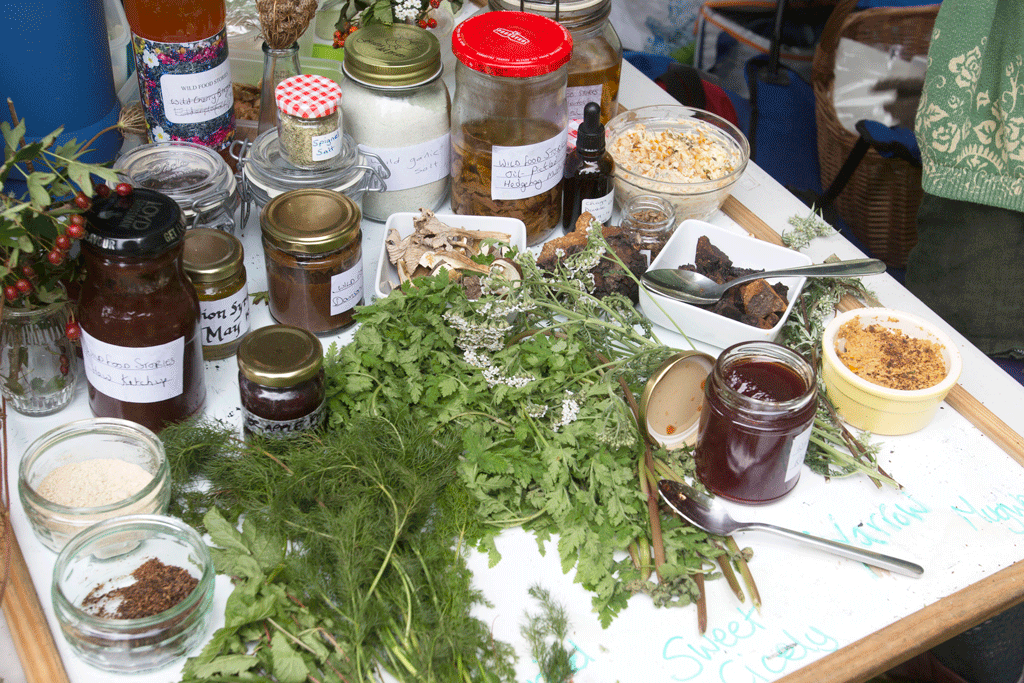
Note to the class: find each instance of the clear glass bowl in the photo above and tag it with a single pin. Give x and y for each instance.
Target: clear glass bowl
(103, 558)
(698, 199)
(80, 442)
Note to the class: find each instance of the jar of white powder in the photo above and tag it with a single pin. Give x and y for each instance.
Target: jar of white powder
(86, 471)
(395, 106)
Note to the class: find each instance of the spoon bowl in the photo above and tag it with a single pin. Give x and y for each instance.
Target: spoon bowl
(710, 515)
(694, 288)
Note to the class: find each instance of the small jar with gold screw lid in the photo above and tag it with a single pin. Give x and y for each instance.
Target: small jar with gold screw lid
(213, 261)
(281, 381)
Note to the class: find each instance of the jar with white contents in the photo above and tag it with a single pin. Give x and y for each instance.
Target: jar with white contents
(309, 120)
(396, 107)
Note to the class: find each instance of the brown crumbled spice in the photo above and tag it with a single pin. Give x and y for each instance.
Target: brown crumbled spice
(888, 357)
(157, 588)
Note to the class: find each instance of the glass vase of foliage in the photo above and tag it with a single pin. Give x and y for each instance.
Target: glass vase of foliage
(46, 188)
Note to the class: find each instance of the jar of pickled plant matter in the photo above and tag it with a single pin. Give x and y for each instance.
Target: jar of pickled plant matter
(213, 262)
(759, 406)
(139, 313)
(281, 381)
(509, 120)
(309, 120)
(396, 107)
(596, 64)
(312, 245)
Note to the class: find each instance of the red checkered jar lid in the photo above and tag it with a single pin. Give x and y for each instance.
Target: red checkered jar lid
(307, 96)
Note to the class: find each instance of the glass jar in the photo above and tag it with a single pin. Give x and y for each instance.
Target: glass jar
(509, 122)
(100, 559)
(396, 107)
(195, 177)
(213, 261)
(309, 120)
(596, 64)
(648, 220)
(266, 172)
(139, 313)
(38, 363)
(312, 245)
(281, 381)
(759, 406)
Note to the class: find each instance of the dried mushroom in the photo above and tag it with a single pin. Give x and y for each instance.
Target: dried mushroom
(434, 245)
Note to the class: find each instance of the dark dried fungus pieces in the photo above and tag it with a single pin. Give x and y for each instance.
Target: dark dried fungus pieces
(756, 303)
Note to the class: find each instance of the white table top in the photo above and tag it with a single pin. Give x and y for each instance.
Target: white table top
(961, 515)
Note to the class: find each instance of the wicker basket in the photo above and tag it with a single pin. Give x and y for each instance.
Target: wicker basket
(881, 200)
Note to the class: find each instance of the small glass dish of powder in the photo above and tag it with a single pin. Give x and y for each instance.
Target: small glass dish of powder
(90, 470)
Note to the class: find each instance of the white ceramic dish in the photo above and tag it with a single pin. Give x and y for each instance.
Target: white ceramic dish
(746, 252)
(387, 275)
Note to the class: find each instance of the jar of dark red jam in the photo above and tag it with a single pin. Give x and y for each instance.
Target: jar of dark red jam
(281, 381)
(759, 405)
(139, 313)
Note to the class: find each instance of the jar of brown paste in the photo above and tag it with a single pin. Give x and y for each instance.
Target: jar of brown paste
(213, 261)
(281, 381)
(509, 118)
(139, 313)
(314, 256)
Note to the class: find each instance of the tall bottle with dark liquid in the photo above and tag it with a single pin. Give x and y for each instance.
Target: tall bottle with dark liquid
(181, 57)
(589, 179)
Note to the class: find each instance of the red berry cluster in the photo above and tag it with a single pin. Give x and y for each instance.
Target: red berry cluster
(340, 36)
(25, 277)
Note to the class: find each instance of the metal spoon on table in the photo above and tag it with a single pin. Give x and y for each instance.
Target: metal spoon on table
(694, 288)
(711, 516)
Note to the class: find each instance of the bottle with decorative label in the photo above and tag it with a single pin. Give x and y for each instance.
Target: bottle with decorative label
(589, 173)
(181, 57)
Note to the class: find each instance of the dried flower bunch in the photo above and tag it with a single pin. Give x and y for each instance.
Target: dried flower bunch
(46, 188)
(284, 21)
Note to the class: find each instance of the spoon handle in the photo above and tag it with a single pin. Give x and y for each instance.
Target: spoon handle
(851, 552)
(861, 266)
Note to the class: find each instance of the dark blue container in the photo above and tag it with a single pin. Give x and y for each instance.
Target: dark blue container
(55, 68)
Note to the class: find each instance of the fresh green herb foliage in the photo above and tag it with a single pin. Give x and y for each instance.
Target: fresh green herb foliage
(527, 378)
(347, 559)
(546, 633)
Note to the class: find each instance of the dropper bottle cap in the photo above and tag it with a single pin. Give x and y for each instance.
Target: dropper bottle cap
(590, 136)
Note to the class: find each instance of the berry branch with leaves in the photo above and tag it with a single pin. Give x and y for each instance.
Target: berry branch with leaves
(356, 13)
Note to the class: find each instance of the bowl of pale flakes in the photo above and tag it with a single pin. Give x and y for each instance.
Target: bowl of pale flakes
(689, 156)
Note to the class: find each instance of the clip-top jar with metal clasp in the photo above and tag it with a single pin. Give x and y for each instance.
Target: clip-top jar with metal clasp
(596, 64)
(759, 406)
(281, 381)
(139, 313)
(396, 107)
(509, 122)
(213, 261)
(312, 245)
(194, 176)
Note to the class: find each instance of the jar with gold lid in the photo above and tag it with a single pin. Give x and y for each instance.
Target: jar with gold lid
(213, 261)
(596, 64)
(281, 381)
(312, 245)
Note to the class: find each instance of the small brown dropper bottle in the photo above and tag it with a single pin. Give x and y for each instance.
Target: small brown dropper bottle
(589, 173)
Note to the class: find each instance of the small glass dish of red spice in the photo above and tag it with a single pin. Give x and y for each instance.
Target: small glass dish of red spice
(134, 593)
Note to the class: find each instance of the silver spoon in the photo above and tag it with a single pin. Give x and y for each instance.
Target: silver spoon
(694, 288)
(709, 515)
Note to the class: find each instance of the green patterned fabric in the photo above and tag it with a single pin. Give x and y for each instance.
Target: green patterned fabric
(970, 124)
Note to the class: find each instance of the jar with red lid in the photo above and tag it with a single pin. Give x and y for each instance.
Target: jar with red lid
(759, 406)
(139, 313)
(509, 118)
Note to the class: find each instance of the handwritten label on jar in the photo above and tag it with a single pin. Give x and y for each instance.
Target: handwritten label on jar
(415, 165)
(225, 320)
(600, 207)
(577, 97)
(527, 170)
(323, 147)
(144, 374)
(255, 424)
(797, 452)
(195, 98)
(347, 289)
